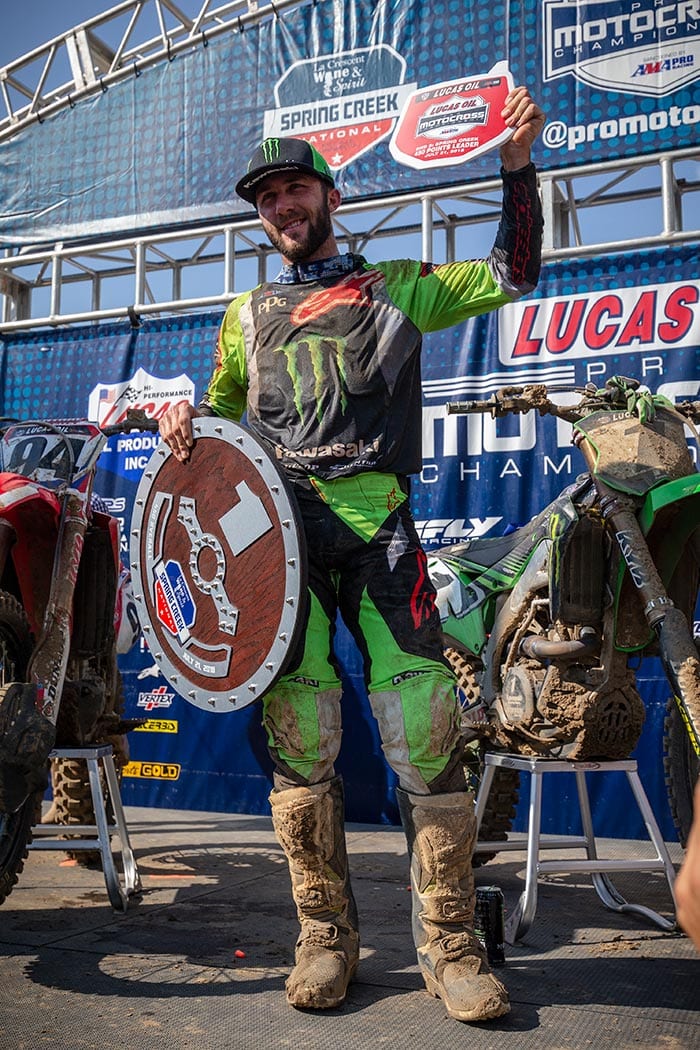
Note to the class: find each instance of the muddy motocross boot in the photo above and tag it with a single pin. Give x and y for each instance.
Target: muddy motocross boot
(441, 833)
(309, 824)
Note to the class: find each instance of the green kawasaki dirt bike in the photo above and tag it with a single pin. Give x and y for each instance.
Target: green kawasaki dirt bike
(543, 626)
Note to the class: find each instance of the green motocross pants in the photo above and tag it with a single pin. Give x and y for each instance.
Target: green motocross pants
(365, 560)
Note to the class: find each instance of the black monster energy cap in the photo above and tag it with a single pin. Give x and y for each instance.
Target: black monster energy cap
(279, 155)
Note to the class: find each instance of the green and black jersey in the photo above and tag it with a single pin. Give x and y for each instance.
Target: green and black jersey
(328, 370)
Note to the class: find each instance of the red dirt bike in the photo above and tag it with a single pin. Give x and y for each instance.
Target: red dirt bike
(59, 573)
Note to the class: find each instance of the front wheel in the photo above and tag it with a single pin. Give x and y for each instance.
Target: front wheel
(15, 836)
(681, 770)
(15, 828)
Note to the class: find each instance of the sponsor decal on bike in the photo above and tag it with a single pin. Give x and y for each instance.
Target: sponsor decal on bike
(633, 558)
(644, 48)
(452, 530)
(343, 103)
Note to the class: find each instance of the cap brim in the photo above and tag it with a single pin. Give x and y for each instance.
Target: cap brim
(247, 186)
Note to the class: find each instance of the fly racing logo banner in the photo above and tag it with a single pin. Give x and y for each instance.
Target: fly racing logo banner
(616, 78)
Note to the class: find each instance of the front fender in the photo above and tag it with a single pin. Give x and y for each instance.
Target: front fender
(671, 492)
(34, 513)
(669, 519)
(16, 491)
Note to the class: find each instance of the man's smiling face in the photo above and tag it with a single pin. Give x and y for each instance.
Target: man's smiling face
(295, 210)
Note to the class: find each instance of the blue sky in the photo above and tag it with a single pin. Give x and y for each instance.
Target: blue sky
(40, 20)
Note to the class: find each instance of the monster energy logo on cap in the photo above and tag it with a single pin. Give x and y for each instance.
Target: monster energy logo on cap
(271, 150)
(276, 155)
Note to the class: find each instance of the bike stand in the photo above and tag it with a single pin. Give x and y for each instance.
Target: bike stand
(118, 892)
(522, 917)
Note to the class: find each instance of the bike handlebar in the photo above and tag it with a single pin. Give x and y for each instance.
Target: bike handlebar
(618, 393)
(135, 419)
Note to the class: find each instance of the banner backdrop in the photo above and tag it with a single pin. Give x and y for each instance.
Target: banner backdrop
(635, 315)
(165, 147)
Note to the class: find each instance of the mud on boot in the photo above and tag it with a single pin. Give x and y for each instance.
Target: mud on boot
(309, 824)
(441, 834)
(455, 969)
(326, 959)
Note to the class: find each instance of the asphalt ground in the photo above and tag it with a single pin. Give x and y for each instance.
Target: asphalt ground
(199, 959)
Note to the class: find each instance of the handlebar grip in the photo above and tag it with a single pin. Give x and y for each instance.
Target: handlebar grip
(460, 408)
(691, 409)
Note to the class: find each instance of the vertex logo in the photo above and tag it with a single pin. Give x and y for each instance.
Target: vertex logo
(158, 697)
(152, 770)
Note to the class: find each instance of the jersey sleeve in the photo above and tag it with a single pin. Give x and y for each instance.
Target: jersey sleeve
(226, 393)
(442, 295)
(516, 256)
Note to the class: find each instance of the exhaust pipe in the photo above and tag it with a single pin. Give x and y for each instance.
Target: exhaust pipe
(548, 649)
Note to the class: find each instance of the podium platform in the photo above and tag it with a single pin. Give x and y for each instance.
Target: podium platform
(199, 959)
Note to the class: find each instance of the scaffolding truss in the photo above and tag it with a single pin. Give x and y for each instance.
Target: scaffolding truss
(165, 272)
(111, 47)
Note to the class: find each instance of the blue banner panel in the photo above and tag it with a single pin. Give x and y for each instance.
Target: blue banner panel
(636, 315)
(615, 77)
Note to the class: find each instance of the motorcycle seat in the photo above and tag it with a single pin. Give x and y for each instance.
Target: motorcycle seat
(486, 550)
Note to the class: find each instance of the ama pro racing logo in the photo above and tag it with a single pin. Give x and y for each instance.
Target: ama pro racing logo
(343, 104)
(642, 47)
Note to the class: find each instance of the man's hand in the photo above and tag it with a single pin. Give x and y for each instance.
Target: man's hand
(687, 887)
(176, 429)
(523, 114)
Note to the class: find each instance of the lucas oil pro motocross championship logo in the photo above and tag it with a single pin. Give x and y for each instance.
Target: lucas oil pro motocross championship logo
(642, 47)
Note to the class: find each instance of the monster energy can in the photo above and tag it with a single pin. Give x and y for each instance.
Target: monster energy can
(489, 923)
